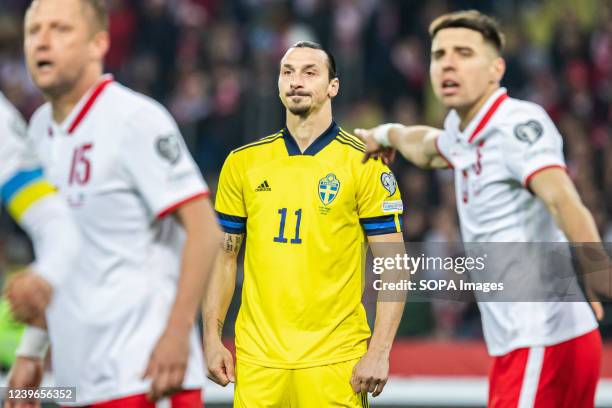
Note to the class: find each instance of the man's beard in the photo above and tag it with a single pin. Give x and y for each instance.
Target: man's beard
(62, 85)
(302, 111)
(299, 109)
(57, 90)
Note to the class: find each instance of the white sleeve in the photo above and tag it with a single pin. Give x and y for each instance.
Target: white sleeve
(442, 143)
(444, 140)
(55, 237)
(159, 163)
(34, 204)
(14, 152)
(533, 143)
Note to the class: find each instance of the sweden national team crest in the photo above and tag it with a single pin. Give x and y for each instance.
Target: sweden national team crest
(329, 186)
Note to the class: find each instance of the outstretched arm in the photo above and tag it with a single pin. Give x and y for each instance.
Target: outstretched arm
(416, 143)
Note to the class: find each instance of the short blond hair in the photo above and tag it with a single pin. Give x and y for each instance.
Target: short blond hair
(473, 20)
(99, 10)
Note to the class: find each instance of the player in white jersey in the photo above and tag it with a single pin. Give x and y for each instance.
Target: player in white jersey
(33, 202)
(126, 327)
(511, 186)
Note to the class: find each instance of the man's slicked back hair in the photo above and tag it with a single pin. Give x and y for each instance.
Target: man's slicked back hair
(473, 20)
(331, 61)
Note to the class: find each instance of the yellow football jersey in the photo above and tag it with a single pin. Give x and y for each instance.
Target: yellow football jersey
(305, 216)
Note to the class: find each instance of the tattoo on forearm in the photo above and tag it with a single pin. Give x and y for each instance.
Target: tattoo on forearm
(238, 242)
(228, 245)
(220, 327)
(232, 243)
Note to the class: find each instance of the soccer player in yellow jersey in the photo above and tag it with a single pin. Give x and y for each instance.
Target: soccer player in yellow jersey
(306, 203)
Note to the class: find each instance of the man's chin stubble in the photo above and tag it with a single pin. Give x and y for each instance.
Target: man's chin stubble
(301, 111)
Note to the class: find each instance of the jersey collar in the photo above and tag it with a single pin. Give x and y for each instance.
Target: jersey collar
(315, 147)
(84, 105)
(482, 118)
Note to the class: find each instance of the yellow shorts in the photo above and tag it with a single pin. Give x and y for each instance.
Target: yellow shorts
(316, 387)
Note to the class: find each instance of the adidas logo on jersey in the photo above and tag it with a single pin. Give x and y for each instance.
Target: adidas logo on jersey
(264, 186)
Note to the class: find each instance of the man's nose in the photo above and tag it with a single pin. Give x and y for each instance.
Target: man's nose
(43, 40)
(448, 62)
(296, 82)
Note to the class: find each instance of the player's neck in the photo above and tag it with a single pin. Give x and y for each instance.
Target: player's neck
(469, 112)
(306, 130)
(62, 104)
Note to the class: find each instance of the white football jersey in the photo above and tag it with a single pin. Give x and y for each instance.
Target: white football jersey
(122, 165)
(494, 158)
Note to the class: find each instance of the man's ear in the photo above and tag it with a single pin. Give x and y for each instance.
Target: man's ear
(333, 88)
(498, 69)
(100, 44)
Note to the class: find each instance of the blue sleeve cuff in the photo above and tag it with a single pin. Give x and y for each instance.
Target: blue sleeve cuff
(384, 224)
(232, 224)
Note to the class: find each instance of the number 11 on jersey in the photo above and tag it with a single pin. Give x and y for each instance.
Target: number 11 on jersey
(281, 230)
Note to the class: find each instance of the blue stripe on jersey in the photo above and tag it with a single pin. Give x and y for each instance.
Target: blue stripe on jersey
(228, 217)
(382, 231)
(236, 231)
(232, 224)
(379, 225)
(17, 182)
(384, 224)
(375, 220)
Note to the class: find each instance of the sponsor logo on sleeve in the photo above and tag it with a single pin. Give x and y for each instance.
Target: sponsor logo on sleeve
(392, 206)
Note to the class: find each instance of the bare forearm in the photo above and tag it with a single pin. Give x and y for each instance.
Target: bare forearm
(390, 304)
(197, 261)
(554, 187)
(202, 243)
(417, 144)
(578, 225)
(388, 317)
(576, 221)
(221, 288)
(218, 298)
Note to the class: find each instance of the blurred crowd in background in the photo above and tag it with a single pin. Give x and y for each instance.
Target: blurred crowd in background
(214, 64)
